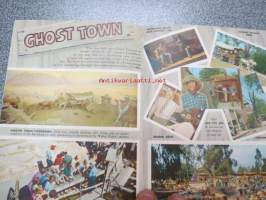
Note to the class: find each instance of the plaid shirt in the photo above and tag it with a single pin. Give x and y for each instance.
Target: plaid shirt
(197, 100)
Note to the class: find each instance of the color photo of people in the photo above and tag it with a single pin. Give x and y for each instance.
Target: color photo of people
(209, 171)
(167, 112)
(171, 51)
(231, 51)
(210, 88)
(43, 169)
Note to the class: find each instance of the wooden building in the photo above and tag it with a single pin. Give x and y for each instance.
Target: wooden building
(227, 88)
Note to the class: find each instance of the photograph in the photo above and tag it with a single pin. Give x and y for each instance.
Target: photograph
(211, 88)
(232, 51)
(251, 120)
(174, 50)
(68, 170)
(166, 111)
(208, 171)
(70, 98)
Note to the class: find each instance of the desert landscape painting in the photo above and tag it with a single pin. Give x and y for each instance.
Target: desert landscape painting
(70, 97)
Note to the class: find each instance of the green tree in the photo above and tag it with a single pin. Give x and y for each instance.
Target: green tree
(263, 168)
(218, 161)
(167, 162)
(251, 123)
(189, 158)
(206, 74)
(242, 169)
(247, 50)
(260, 58)
(253, 169)
(261, 108)
(258, 160)
(254, 88)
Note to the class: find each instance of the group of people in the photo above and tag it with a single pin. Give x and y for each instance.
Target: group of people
(168, 51)
(254, 186)
(243, 187)
(236, 187)
(164, 55)
(60, 168)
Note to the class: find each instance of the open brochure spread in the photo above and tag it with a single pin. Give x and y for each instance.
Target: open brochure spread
(102, 110)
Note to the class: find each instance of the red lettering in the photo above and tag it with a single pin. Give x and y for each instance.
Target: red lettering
(69, 31)
(49, 37)
(60, 35)
(117, 28)
(91, 31)
(29, 40)
(82, 32)
(39, 41)
(104, 29)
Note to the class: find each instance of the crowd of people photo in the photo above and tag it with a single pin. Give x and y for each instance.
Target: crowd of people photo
(63, 173)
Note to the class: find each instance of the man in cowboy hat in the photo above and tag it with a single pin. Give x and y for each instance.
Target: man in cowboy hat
(192, 98)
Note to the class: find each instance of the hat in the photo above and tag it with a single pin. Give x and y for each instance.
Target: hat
(190, 78)
(91, 163)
